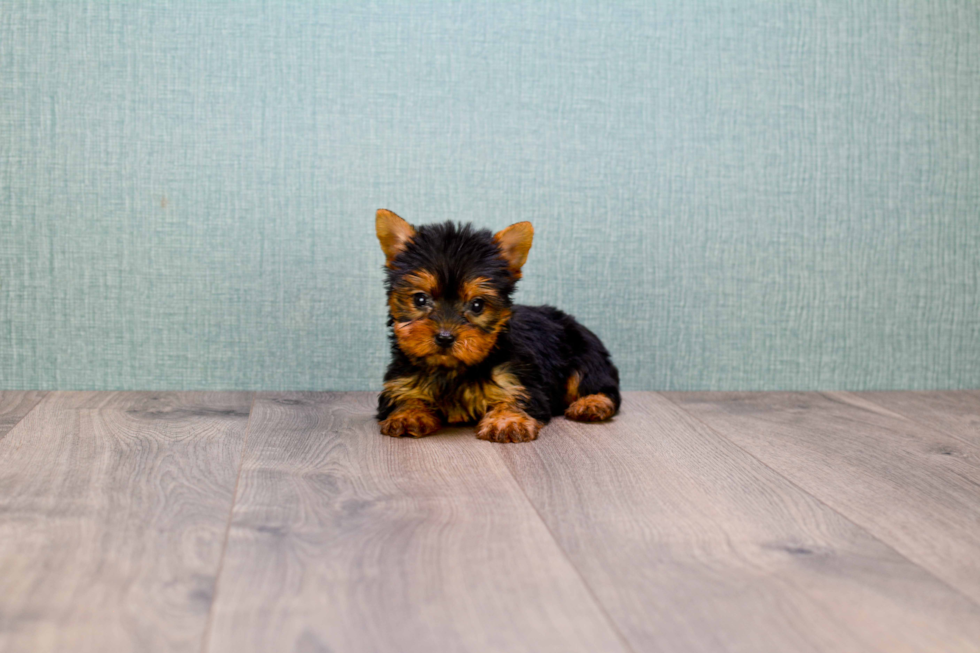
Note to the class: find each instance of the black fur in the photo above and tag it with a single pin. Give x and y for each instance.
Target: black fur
(542, 345)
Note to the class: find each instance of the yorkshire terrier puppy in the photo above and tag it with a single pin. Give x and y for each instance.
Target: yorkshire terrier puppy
(462, 352)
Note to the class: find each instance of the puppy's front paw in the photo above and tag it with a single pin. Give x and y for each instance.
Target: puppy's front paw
(508, 425)
(415, 422)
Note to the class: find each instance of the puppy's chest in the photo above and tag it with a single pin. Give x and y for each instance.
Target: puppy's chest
(460, 399)
(468, 401)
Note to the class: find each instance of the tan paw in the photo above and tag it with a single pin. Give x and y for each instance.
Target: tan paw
(415, 422)
(592, 408)
(508, 425)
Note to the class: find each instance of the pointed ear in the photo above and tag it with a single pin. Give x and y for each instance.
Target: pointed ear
(394, 233)
(514, 243)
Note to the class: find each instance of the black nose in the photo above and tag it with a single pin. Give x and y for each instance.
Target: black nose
(444, 338)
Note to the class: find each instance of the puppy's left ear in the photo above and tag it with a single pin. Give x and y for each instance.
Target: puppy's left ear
(394, 233)
(514, 243)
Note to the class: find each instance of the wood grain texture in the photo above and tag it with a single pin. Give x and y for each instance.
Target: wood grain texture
(14, 404)
(113, 510)
(346, 540)
(914, 487)
(693, 545)
(956, 412)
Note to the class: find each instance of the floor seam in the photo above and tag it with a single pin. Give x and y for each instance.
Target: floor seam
(908, 418)
(24, 416)
(890, 546)
(564, 553)
(224, 544)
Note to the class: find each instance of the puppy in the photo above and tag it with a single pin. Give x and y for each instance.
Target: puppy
(461, 352)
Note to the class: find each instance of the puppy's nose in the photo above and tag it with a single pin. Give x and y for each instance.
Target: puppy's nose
(444, 338)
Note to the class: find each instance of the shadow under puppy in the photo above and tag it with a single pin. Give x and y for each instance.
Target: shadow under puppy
(462, 352)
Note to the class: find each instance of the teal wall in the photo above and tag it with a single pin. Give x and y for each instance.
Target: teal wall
(733, 194)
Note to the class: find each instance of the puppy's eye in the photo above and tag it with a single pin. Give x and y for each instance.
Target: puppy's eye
(476, 306)
(419, 299)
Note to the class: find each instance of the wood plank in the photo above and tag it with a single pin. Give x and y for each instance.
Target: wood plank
(346, 540)
(693, 545)
(113, 510)
(14, 404)
(916, 488)
(956, 412)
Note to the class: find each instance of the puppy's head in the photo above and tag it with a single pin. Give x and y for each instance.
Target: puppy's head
(449, 287)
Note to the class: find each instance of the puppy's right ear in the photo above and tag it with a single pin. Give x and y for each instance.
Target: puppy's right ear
(394, 233)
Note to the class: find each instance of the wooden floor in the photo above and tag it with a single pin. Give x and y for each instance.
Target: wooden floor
(232, 522)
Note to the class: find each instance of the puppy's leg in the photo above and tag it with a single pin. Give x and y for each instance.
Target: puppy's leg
(508, 423)
(414, 418)
(592, 387)
(592, 395)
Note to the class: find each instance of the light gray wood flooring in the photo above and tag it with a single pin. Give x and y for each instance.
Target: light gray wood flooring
(745, 522)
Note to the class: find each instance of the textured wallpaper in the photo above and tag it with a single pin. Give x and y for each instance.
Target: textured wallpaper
(732, 194)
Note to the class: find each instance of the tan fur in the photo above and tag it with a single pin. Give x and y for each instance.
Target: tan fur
(467, 401)
(514, 243)
(571, 387)
(410, 388)
(478, 287)
(508, 423)
(423, 281)
(413, 418)
(417, 339)
(591, 408)
(473, 344)
(393, 232)
(402, 300)
(471, 401)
